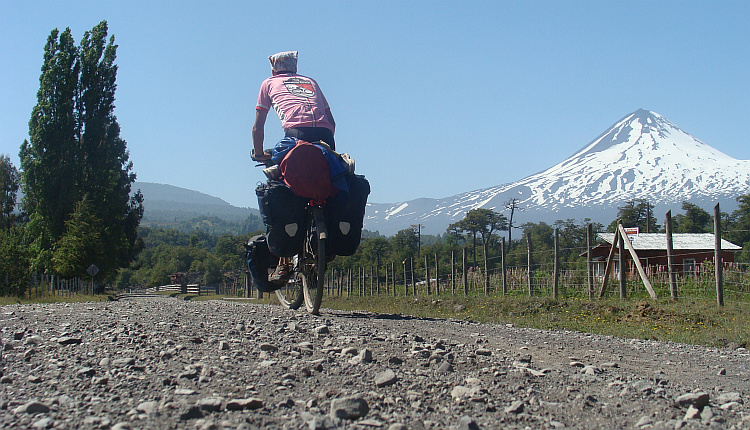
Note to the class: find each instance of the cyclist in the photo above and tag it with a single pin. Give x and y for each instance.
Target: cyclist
(297, 100)
(302, 109)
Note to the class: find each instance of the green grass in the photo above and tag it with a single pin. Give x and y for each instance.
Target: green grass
(76, 298)
(699, 322)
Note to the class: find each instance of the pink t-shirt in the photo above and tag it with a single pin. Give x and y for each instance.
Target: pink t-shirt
(297, 100)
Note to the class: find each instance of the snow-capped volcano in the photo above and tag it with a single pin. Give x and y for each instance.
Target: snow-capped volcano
(642, 156)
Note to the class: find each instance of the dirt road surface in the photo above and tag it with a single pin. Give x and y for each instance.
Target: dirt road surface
(164, 363)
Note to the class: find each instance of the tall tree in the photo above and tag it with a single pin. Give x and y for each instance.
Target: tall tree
(694, 220)
(466, 225)
(14, 261)
(484, 222)
(512, 206)
(636, 213)
(75, 151)
(9, 183)
(375, 249)
(404, 244)
(740, 224)
(49, 161)
(82, 244)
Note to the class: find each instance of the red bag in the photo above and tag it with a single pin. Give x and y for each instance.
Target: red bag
(306, 171)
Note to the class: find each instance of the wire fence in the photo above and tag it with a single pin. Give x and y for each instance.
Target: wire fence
(50, 285)
(576, 278)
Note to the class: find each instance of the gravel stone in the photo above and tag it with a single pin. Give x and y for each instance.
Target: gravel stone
(33, 407)
(242, 404)
(514, 408)
(69, 340)
(467, 423)
(159, 362)
(349, 408)
(699, 400)
(385, 378)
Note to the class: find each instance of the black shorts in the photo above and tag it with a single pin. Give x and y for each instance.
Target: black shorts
(313, 134)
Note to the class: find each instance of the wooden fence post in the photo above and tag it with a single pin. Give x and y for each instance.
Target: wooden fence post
(608, 268)
(393, 278)
(413, 284)
(453, 271)
(504, 267)
(556, 269)
(406, 285)
(486, 271)
(377, 280)
(427, 272)
(670, 257)
(637, 263)
(623, 272)
(530, 274)
(465, 276)
(589, 268)
(437, 274)
(719, 269)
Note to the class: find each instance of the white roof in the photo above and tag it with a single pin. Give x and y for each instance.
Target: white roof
(681, 241)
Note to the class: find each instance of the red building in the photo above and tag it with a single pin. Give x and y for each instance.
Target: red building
(689, 250)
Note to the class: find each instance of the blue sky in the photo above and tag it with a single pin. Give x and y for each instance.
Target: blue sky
(432, 98)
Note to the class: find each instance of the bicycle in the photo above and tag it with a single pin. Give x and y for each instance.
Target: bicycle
(307, 272)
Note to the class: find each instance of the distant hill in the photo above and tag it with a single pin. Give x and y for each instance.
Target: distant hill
(175, 207)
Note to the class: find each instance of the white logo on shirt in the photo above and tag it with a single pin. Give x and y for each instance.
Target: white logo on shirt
(300, 87)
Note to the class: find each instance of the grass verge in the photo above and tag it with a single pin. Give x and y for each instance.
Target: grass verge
(692, 321)
(76, 298)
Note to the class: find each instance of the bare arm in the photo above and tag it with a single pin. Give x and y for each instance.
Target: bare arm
(259, 131)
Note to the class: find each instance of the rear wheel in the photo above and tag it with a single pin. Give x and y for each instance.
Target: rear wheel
(315, 263)
(290, 296)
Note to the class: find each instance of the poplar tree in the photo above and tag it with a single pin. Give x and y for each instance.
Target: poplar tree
(75, 154)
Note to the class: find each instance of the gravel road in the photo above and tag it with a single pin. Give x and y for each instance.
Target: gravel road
(164, 363)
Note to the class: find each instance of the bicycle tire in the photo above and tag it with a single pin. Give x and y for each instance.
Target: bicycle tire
(316, 255)
(291, 296)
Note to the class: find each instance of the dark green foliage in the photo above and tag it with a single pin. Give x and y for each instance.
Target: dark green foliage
(9, 183)
(81, 243)
(75, 153)
(694, 220)
(169, 251)
(738, 230)
(484, 222)
(210, 224)
(636, 213)
(14, 261)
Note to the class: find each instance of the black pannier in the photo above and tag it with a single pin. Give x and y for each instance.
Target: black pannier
(283, 213)
(344, 217)
(258, 262)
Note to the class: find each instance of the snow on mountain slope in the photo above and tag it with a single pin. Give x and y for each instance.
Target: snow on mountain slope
(642, 156)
